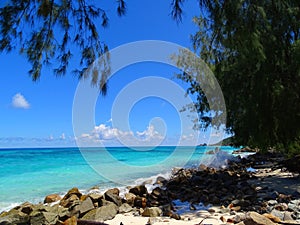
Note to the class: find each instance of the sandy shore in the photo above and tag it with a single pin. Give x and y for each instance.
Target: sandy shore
(197, 217)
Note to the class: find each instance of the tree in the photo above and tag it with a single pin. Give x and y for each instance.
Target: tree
(43, 30)
(253, 48)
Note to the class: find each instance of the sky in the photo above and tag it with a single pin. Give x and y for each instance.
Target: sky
(41, 114)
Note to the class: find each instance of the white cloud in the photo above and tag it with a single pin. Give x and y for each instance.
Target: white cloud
(63, 136)
(113, 136)
(19, 101)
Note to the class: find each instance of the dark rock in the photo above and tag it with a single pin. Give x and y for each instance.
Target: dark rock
(293, 164)
(52, 198)
(175, 216)
(106, 212)
(140, 190)
(140, 202)
(160, 180)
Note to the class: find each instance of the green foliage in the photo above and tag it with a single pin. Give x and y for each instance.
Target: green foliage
(44, 30)
(254, 50)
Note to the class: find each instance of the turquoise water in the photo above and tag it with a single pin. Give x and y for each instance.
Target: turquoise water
(31, 174)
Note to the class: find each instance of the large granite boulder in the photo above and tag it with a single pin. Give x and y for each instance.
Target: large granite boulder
(106, 212)
(44, 218)
(112, 195)
(13, 217)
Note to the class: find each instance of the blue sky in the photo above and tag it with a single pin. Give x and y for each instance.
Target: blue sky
(39, 114)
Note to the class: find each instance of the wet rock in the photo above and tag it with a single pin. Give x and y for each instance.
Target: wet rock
(52, 198)
(152, 212)
(13, 217)
(160, 180)
(124, 208)
(140, 190)
(106, 212)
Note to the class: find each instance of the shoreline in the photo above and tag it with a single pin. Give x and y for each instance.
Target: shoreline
(253, 192)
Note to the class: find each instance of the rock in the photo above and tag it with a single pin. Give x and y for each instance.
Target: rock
(160, 180)
(52, 198)
(112, 195)
(275, 219)
(85, 206)
(278, 214)
(140, 202)
(294, 205)
(202, 167)
(26, 207)
(45, 218)
(281, 207)
(253, 218)
(287, 216)
(14, 217)
(140, 190)
(175, 216)
(73, 191)
(130, 198)
(106, 212)
(70, 202)
(124, 208)
(272, 202)
(152, 212)
(70, 221)
(236, 208)
(95, 197)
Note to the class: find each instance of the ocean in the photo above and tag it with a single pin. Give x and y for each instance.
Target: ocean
(30, 174)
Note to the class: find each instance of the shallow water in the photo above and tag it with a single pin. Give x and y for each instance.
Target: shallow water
(31, 174)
